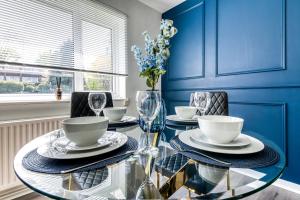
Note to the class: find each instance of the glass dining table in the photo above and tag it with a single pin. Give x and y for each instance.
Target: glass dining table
(122, 180)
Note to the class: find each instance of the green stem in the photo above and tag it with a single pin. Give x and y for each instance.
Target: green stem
(153, 81)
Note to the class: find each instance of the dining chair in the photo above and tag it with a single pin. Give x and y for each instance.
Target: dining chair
(218, 105)
(80, 106)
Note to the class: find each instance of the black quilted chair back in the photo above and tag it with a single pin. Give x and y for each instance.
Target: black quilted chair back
(80, 106)
(218, 105)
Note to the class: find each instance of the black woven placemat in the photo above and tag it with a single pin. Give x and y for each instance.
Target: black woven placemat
(37, 163)
(268, 156)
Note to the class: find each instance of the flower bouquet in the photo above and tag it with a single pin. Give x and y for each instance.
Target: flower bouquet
(151, 62)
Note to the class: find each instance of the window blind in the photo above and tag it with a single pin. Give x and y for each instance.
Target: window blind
(96, 47)
(29, 34)
(78, 35)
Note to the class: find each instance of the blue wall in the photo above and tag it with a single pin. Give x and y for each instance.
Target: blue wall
(249, 48)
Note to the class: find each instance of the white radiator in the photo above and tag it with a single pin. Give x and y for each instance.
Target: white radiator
(13, 135)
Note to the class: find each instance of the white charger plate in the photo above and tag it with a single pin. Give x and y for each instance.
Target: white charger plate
(71, 147)
(48, 152)
(176, 118)
(254, 146)
(241, 141)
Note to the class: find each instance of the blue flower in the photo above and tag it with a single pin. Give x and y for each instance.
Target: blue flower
(156, 50)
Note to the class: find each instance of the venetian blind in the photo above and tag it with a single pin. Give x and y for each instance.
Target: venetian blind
(77, 35)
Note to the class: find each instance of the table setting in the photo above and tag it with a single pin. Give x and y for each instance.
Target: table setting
(196, 151)
(84, 142)
(118, 119)
(187, 115)
(202, 145)
(216, 139)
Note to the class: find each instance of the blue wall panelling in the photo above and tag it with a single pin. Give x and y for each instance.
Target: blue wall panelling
(250, 49)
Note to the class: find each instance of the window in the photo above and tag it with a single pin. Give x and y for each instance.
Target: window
(84, 42)
(97, 55)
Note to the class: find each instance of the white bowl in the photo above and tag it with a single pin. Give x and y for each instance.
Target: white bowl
(114, 113)
(85, 131)
(220, 129)
(185, 112)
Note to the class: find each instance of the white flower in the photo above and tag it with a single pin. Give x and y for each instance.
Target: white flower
(173, 31)
(166, 33)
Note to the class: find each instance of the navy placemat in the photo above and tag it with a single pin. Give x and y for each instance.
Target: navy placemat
(112, 126)
(268, 156)
(182, 123)
(37, 163)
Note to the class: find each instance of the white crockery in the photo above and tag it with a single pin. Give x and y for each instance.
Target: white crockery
(254, 146)
(71, 147)
(85, 131)
(114, 113)
(185, 112)
(176, 118)
(220, 129)
(240, 141)
(48, 152)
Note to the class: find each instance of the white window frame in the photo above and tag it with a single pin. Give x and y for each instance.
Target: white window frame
(118, 92)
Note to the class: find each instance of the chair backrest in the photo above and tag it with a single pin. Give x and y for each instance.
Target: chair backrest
(80, 106)
(218, 105)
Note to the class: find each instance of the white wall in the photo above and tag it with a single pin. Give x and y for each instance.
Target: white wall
(140, 18)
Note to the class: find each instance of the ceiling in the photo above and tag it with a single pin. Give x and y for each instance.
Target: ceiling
(161, 5)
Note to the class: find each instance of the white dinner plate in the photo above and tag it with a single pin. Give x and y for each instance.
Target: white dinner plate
(241, 141)
(124, 119)
(47, 152)
(176, 118)
(71, 147)
(254, 146)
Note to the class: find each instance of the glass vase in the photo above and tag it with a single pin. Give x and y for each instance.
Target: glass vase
(159, 123)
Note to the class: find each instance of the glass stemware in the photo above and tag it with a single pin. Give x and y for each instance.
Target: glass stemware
(147, 189)
(54, 136)
(148, 105)
(97, 101)
(202, 101)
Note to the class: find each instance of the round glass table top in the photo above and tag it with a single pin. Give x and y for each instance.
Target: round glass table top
(122, 180)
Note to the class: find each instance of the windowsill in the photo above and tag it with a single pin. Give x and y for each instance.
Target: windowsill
(25, 102)
(25, 99)
(41, 99)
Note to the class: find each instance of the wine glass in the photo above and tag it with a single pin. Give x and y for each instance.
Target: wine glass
(162, 146)
(202, 101)
(148, 105)
(97, 101)
(147, 189)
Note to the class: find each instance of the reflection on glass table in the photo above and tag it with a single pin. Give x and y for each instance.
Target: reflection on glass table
(122, 180)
